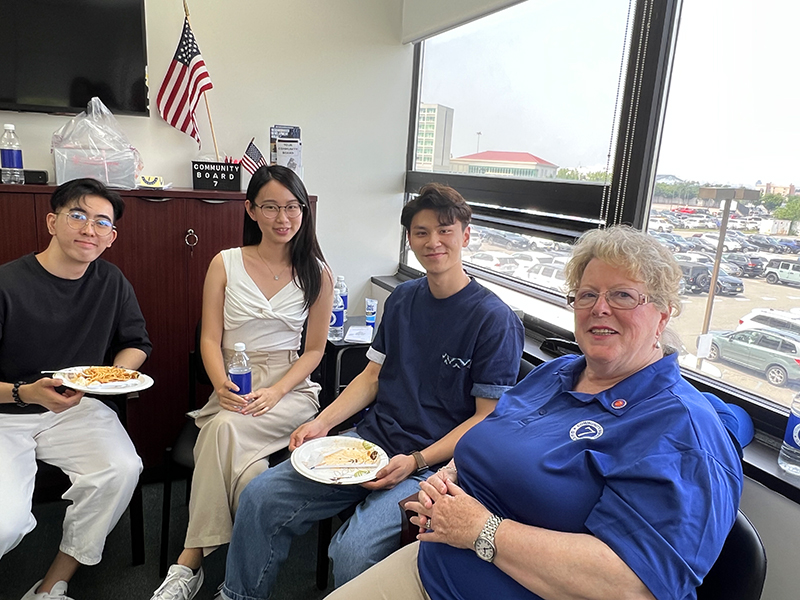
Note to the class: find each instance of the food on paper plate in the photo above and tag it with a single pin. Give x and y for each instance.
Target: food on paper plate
(90, 376)
(353, 455)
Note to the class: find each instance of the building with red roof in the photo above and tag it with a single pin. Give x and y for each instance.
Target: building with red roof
(504, 164)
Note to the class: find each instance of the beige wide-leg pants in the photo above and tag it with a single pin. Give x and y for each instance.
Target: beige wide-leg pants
(233, 448)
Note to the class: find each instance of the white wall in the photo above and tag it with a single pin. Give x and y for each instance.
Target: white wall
(777, 520)
(336, 69)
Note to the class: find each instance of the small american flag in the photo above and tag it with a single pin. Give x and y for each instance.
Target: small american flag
(253, 159)
(186, 79)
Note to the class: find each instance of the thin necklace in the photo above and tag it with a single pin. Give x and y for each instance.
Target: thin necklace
(264, 260)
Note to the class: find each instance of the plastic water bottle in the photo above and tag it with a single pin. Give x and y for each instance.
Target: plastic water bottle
(341, 288)
(789, 458)
(336, 330)
(371, 311)
(11, 156)
(239, 370)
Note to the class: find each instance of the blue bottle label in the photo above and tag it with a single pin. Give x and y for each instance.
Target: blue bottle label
(11, 158)
(243, 381)
(792, 437)
(337, 318)
(344, 299)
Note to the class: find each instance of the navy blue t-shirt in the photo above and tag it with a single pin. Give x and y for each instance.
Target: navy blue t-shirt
(645, 466)
(437, 355)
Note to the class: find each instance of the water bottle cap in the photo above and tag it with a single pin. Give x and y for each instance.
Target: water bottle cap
(340, 278)
(9, 127)
(239, 347)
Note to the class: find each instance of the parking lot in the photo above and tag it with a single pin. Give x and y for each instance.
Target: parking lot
(727, 311)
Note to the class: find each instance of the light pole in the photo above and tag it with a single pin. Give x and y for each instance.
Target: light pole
(479, 142)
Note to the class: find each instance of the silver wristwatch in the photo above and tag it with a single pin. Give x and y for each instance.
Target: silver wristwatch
(484, 545)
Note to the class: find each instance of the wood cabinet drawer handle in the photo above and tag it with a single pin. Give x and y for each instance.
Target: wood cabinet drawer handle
(191, 238)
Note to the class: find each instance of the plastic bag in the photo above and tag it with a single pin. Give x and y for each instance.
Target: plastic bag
(92, 144)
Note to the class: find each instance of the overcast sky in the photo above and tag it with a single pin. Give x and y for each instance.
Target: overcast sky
(541, 77)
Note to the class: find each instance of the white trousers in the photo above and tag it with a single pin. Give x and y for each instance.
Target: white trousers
(90, 445)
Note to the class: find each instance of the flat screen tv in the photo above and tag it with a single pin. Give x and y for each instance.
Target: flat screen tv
(55, 55)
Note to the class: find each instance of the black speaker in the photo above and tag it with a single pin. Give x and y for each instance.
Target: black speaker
(35, 176)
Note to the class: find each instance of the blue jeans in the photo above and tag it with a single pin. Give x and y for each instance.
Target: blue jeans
(280, 504)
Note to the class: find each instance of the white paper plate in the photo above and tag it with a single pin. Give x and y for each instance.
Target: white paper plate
(104, 389)
(307, 458)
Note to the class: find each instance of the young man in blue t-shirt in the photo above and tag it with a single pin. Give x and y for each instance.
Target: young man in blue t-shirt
(446, 350)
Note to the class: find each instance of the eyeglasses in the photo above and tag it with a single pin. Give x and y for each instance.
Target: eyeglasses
(77, 220)
(271, 211)
(622, 299)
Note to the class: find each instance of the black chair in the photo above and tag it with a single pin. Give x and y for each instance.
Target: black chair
(51, 483)
(179, 458)
(408, 531)
(741, 568)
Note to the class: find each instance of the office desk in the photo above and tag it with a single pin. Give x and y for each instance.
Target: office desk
(340, 364)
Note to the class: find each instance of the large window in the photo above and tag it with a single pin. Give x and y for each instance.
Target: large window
(548, 117)
(536, 96)
(731, 123)
(538, 114)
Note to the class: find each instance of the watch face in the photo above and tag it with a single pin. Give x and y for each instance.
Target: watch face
(484, 549)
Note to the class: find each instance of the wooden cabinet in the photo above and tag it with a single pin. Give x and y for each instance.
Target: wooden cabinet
(164, 246)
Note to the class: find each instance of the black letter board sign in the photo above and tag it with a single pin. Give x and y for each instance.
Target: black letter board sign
(216, 176)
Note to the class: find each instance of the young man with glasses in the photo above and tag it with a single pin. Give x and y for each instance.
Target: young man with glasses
(446, 350)
(64, 308)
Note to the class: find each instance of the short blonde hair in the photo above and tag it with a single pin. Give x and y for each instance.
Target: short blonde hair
(639, 255)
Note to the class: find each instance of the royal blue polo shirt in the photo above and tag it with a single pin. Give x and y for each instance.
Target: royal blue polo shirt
(645, 466)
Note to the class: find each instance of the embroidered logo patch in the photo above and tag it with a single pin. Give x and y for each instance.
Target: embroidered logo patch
(586, 430)
(456, 363)
(619, 403)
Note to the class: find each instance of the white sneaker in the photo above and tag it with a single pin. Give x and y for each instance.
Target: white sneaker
(58, 592)
(181, 584)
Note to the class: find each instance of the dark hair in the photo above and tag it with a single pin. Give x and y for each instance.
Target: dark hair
(306, 255)
(78, 189)
(443, 200)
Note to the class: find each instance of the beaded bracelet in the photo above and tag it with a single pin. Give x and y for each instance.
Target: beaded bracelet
(15, 394)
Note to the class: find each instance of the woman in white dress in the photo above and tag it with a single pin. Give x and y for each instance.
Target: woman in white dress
(260, 294)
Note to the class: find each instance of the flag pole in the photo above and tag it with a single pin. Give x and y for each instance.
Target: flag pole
(205, 97)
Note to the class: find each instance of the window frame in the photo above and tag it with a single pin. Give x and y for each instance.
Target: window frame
(532, 206)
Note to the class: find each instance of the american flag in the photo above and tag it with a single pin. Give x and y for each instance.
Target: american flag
(186, 79)
(253, 159)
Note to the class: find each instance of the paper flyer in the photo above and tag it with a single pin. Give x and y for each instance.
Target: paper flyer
(277, 132)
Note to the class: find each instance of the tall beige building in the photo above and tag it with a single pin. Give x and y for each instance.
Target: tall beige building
(434, 135)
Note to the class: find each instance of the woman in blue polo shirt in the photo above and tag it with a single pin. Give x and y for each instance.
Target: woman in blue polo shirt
(600, 476)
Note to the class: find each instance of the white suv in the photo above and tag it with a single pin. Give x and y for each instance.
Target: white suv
(769, 318)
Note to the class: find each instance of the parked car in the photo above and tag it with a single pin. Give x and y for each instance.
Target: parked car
(742, 239)
(765, 243)
(496, 261)
(697, 276)
(526, 259)
(505, 239)
(751, 265)
(668, 244)
(681, 243)
(728, 245)
(780, 270)
(694, 257)
(769, 318)
(773, 353)
(548, 276)
(793, 246)
(659, 224)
